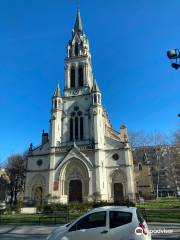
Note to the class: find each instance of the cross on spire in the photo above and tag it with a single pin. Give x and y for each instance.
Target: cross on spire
(78, 4)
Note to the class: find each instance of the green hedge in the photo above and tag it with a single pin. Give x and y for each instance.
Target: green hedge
(80, 207)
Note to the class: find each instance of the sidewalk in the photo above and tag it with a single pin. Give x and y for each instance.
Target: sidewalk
(26, 229)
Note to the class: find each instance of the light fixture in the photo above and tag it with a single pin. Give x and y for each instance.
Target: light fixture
(175, 65)
(173, 54)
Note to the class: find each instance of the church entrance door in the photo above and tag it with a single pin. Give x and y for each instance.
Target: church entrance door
(118, 192)
(75, 191)
(38, 196)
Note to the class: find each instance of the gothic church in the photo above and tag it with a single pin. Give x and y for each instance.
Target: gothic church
(82, 157)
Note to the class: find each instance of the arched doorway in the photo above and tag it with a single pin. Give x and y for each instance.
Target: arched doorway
(75, 191)
(74, 177)
(38, 196)
(118, 192)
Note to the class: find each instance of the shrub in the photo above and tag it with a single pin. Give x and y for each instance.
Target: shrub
(80, 207)
(10, 209)
(53, 207)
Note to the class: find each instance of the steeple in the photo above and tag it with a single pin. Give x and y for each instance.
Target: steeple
(78, 24)
(78, 46)
(78, 68)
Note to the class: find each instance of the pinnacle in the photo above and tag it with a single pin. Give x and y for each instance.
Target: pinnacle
(95, 87)
(57, 92)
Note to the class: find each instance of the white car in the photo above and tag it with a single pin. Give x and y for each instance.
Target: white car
(105, 223)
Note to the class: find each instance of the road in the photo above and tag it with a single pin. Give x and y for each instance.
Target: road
(28, 232)
(170, 231)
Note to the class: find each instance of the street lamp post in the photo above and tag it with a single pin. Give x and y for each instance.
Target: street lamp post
(174, 55)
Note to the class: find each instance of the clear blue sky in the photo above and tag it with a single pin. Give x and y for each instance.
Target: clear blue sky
(128, 41)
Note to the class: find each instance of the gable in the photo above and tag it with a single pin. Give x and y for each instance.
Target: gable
(75, 153)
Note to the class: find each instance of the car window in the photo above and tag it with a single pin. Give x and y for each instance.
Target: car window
(117, 218)
(92, 220)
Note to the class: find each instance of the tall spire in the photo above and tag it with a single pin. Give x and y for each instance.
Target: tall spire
(78, 24)
(78, 57)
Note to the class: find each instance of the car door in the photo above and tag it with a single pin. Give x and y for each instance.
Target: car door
(91, 227)
(120, 225)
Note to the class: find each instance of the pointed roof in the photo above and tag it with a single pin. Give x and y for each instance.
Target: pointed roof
(78, 24)
(57, 92)
(95, 87)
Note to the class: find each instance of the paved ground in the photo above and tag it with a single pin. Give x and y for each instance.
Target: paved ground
(28, 232)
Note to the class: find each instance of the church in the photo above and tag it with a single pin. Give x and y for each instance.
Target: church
(82, 158)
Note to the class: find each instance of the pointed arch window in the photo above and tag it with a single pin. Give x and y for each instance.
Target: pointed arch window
(76, 128)
(76, 125)
(81, 128)
(80, 76)
(55, 104)
(71, 129)
(72, 77)
(95, 98)
(76, 49)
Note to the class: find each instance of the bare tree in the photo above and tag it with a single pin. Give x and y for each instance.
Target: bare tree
(173, 167)
(142, 139)
(176, 137)
(153, 145)
(139, 138)
(15, 169)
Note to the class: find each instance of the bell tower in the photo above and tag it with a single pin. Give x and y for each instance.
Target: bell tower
(78, 68)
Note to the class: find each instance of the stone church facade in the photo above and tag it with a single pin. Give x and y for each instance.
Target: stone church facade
(82, 157)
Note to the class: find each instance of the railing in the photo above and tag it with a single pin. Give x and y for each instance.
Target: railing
(66, 146)
(60, 217)
(81, 147)
(55, 217)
